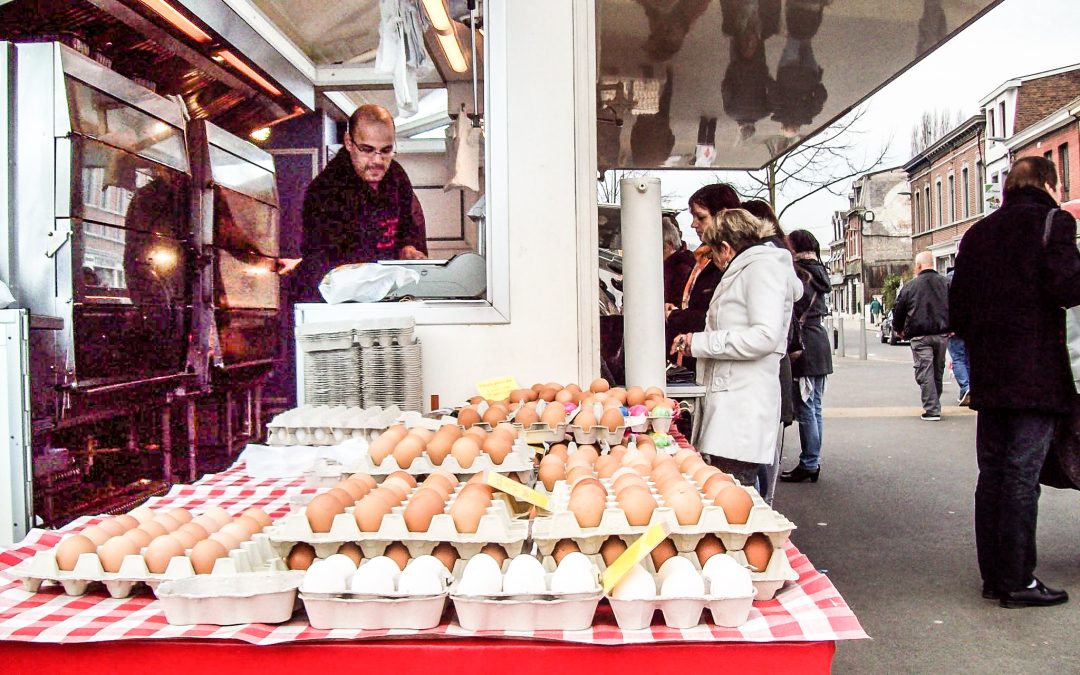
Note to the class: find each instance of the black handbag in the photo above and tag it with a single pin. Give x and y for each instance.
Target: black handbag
(795, 344)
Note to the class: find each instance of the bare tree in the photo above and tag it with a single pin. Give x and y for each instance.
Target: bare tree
(830, 158)
(932, 126)
(607, 187)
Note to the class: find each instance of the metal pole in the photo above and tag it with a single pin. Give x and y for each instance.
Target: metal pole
(862, 336)
(841, 347)
(166, 442)
(643, 295)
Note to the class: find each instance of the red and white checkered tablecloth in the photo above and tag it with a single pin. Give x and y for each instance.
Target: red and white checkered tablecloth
(809, 610)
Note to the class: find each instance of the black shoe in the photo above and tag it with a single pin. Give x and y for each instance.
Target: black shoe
(1040, 596)
(931, 417)
(990, 592)
(799, 474)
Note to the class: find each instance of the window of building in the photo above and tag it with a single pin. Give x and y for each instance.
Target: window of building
(952, 198)
(965, 192)
(1063, 170)
(980, 187)
(1049, 155)
(927, 221)
(1001, 117)
(918, 213)
(990, 122)
(939, 205)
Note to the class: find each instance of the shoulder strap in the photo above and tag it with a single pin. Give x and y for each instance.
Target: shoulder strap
(802, 317)
(1048, 226)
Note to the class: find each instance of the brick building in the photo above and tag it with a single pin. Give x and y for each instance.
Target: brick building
(836, 257)
(1056, 137)
(877, 236)
(946, 198)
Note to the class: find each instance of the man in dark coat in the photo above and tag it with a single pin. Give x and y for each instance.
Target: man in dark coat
(361, 207)
(1006, 301)
(921, 314)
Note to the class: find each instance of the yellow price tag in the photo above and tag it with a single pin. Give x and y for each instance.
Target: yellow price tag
(498, 388)
(634, 554)
(517, 490)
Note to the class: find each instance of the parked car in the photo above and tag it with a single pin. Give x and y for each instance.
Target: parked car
(886, 332)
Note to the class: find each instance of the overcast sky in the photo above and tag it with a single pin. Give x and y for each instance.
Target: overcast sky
(1019, 37)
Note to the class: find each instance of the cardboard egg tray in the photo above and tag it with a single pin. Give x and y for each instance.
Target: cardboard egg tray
(513, 612)
(534, 434)
(226, 600)
(374, 612)
(342, 423)
(497, 526)
(562, 524)
(519, 459)
(681, 612)
(597, 433)
(255, 555)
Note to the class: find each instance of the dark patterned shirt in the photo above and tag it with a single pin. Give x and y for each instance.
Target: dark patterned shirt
(347, 221)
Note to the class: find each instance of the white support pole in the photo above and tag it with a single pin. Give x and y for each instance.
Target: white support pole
(643, 282)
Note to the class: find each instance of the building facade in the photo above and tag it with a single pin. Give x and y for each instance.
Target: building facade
(877, 236)
(946, 199)
(836, 259)
(1057, 138)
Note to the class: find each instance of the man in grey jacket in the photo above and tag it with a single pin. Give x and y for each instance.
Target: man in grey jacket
(921, 314)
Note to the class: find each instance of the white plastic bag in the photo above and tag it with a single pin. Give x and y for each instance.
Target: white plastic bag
(6, 298)
(364, 282)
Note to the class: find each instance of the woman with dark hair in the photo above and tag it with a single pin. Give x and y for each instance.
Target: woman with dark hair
(689, 316)
(812, 368)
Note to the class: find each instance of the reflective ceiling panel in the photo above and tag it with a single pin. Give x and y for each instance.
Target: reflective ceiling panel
(343, 31)
(731, 84)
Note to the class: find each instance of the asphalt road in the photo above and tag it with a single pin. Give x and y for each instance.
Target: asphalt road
(891, 520)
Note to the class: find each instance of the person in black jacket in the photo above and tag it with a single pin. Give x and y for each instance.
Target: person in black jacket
(1006, 301)
(811, 369)
(921, 314)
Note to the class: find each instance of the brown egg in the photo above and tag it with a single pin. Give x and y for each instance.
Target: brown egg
(439, 448)
(344, 498)
(96, 534)
(606, 466)
(587, 507)
(497, 447)
(703, 473)
(654, 392)
(381, 448)
(182, 516)
(219, 514)
(617, 393)
(127, 522)
(635, 396)
(494, 415)
(468, 416)
(562, 547)
(355, 488)
(156, 529)
(664, 550)
(551, 470)
(526, 416)
(398, 553)
(227, 540)
(474, 486)
(422, 507)
(237, 531)
(519, 395)
(161, 551)
(715, 483)
(612, 419)
(564, 396)
(447, 555)
(438, 483)
(758, 550)
(466, 512)
(206, 553)
(364, 479)
(553, 415)
(300, 556)
(196, 530)
(476, 400)
(686, 503)
(369, 512)
(709, 546)
(574, 474)
(694, 465)
(142, 514)
(141, 537)
(628, 480)
(637, 503)
(393, 487)
(465, 450)
(69, 550)
(114, 528)
(682, 457)
(422, 433)
(321, 510)
(588, 484)
(599, 384)
(476, 433)
(352, 552)
(496, 551)
(548, 394)
(559, 450)
(186, 539)
(205, 522)
(585, 419)
(611, 549)
(113, 551)
(736, 502)
(407, 450)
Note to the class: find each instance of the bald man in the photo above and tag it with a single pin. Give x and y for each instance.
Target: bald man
(921, 314)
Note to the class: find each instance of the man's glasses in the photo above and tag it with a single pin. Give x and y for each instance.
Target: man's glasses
(369, 151)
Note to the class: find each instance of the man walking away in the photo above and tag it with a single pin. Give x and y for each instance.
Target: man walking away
(921, 314)
(961, 367)
(1016, 271)
(875, 310)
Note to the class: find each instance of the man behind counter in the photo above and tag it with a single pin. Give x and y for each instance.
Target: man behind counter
(361, 208)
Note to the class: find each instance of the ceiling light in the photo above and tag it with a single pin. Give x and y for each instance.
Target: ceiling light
(454, 56)
(436, 12)
(235, 61)
(173, 16)
(261, 134)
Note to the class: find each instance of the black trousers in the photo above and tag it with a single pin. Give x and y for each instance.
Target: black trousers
(1011, 447)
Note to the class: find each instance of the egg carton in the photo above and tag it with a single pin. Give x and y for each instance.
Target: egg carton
(220, 600)
(681, 612)
(562, 524)
(660, 424)
(497, 526)
(598, 433)
(340, 424)
(371, 612)
(519, 459)
(256, 555)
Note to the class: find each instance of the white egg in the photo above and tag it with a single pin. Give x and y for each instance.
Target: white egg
(423, 579)
(524, 576)
(343, 564)
(576, 559)
(638, 584)
(322, 578)
(482, 576)
(729, 581)
(373, 580)
(719, 562)
(683, 585)
(573, 577)
(301, 436)
(428, 562)
(674, 565)
(385, 563)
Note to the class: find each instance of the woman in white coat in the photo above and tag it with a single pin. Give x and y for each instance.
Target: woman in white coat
(744, 339)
